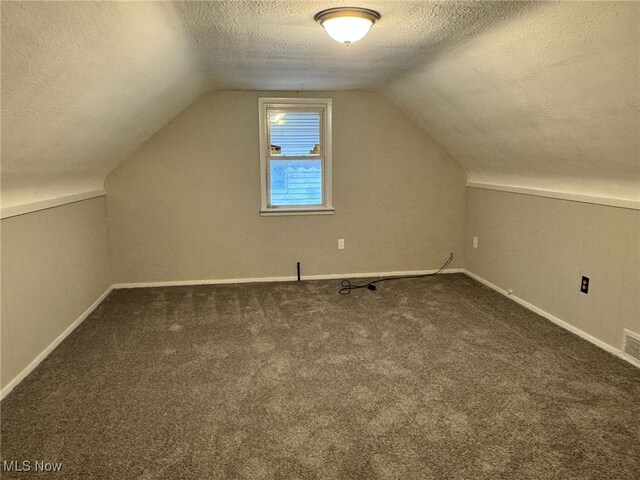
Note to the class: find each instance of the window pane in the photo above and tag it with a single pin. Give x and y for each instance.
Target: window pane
(278, 179)
(296, 133)
(296, 182)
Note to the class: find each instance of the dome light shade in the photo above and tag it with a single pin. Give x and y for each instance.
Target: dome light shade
(347, 24)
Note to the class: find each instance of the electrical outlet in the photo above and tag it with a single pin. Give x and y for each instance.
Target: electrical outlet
(584, 285)
(341, 244)
(475, 242)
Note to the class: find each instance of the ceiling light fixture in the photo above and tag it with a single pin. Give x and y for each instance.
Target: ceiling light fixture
(347, 24)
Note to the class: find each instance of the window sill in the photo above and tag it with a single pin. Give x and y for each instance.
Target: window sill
(274, 212)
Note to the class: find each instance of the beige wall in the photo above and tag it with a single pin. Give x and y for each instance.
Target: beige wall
(185, 206)
(55, 264)
(541, 247)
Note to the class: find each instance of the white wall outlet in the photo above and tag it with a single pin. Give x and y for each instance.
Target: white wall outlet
(341, 244)
(475, 242)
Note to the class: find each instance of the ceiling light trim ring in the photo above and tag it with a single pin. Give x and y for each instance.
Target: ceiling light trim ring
(338, 12)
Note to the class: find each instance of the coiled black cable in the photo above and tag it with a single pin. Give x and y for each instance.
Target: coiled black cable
(347, 286)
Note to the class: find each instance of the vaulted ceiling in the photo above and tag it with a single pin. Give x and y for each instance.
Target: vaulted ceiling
(539, 95)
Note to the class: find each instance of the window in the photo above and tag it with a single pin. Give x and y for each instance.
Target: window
(295, 156)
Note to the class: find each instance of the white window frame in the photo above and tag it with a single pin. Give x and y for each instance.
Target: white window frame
(323, 104)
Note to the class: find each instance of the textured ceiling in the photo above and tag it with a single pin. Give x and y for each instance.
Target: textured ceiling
(83, 85)
(548, 100)
(518, 92)
(277, 45)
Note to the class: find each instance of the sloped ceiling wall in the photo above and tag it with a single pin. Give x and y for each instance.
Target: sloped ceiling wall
(548, 100)
(520, 93)
(83, 85)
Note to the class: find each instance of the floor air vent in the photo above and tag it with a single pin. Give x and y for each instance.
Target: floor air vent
(632, 345)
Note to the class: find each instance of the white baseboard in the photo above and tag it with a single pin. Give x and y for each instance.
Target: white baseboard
(10, 386)
(36, 361)
(221, 281)
(567, 326)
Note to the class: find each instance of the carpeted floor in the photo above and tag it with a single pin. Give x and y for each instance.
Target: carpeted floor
(437, 378)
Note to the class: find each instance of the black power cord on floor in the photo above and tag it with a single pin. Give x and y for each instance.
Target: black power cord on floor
(347, 286)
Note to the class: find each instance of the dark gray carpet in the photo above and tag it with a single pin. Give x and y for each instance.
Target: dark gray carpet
(437, 378)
